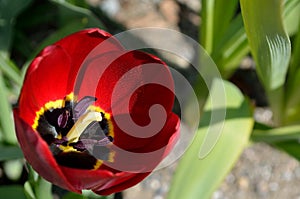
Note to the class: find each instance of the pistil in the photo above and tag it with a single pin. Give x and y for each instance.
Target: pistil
(81, 124)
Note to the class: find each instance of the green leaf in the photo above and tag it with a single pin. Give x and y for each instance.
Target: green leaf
(269, 43)
(206, 28)
(70, 13)
(42, 189)
(86, 194)
(28, 191)
(292, 147)
(232, 47)
(10, 152)
(291, 16)
(270, 48)
(284, 138)
(37, 187)
(274, 135)
(12, 191)
(6, 118)
(10, 70)
(70, 18)
(9, 9)
(215, 21)
(72, 195)
(59, 34)
(224, 12)
(198, 177)
(292, 109)
(78, 3)
(222, 34)
(91, 195)
(295, 60)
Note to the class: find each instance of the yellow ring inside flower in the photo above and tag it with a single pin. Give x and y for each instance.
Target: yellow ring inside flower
(61, 103)
(69, 141)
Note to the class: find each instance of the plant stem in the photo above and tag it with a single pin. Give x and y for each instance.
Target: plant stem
(276, 100)
(43, 189)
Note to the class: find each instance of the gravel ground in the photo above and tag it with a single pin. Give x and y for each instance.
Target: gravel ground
(262, 172)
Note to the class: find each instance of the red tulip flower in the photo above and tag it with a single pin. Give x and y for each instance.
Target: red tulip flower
(92, 115)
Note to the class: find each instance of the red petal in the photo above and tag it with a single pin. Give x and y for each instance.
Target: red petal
(88, 78)
(86, 179)
(165, 139)
(124, 180)
(46, 81)
(102, 73)
(132, 97)
(86, 44)
(144, 155)
(37, 153)
(120, 182)
(78, 45)
(155, 142)
(51, 75)
(102, 179)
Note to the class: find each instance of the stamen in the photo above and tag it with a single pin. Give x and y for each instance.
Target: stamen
(76, 130)
(63, 119)
(83, 121)
(82, 105)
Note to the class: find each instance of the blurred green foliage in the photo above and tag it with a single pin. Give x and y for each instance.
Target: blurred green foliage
(231, 30)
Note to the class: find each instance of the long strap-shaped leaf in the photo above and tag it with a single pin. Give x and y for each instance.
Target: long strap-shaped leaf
(215, 21)
(197, 176)
(269, 43)
(6, 119)
(270, 47)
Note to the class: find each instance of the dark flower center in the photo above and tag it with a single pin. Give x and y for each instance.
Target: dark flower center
(78, 136)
